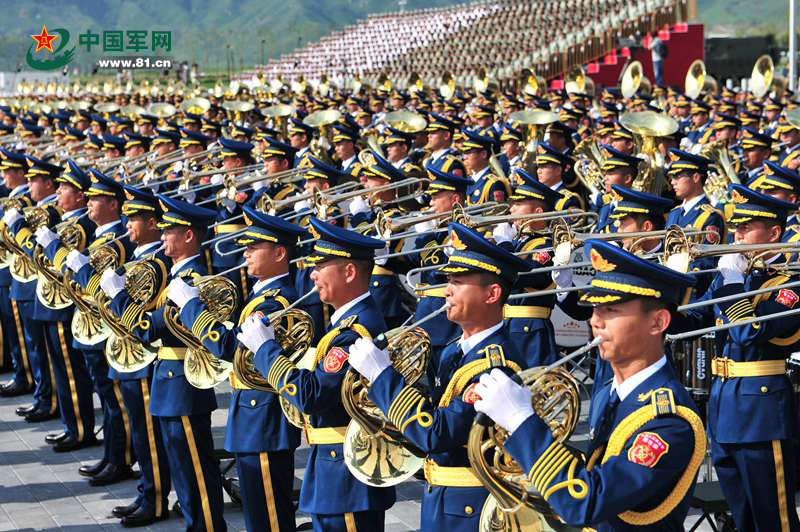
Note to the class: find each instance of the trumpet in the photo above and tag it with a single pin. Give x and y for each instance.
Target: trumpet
(513, 505)
(376, 453)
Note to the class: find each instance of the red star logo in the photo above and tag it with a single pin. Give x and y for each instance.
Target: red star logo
(44, 39)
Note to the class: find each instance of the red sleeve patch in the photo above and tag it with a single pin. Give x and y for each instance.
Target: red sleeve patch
(499, 195)
(541, 257)
(469, 395)
(787, 298)
(712, 238)
(647, 449)
(241, 197)
(334, 360)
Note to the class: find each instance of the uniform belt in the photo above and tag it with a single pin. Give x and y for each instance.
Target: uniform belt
(172, 353)
(461, 477)
(521, 311)
(730, 369)
(236, 384)
(380, 270)
(228, 228)
(325, 436)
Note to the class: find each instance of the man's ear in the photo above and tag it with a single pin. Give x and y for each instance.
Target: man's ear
(493, 293)
(661, 320)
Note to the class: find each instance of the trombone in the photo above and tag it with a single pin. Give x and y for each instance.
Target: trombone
(725, 327)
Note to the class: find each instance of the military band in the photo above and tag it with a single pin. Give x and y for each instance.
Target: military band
(369, 270)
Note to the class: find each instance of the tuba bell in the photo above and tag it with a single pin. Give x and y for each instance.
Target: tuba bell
(87, 326)
(202, 369)
(22, 267)
(763, 78)
(633, 80)
(50, 289)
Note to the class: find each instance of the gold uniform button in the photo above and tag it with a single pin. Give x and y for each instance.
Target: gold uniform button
(375, 283)
(169, 374)
(333, 454)
(468, 510)
(526, 329)
(252, 402)
(764, 389)
(419, 299)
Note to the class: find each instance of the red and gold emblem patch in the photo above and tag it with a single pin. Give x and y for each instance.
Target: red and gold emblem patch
(469, 396)
(335, 359)
(712, 238)
(541, 257)
(787, 297)
(647, 449)
(599, 263)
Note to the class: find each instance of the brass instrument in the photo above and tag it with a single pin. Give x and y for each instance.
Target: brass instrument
(576, 80)
(447, 88)
(406, 121)
(532, 122)
(22, 267)
(276, 84)
(633, 80)
(650, 125)
(416, 87)
(202, 369)
(162, 110)
(50, 288)
(321, 120)
(300, 86)
(239, 110)
(279, 115)
(106, 108)
(384, 82)
(513, 504)
(531, 84)
(483, 83)
(716, 186)
(132, 111)
(376, 453)
(195, 106)
(87, 326)
(763, 78)
(322, 200)
(124, 352)
(589, 165)
(698, 80)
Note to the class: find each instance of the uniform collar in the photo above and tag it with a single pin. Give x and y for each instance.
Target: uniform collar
(349, 161)
(435, 155)
(178, 266)
(339, 314)
(631, 383)
(399, 164)
(261, 284)
(19, 191)
(46, 200)
(467, 344)
(141, 250)
(69, 214)
(478, 175)
(105, 227)
(688, 206)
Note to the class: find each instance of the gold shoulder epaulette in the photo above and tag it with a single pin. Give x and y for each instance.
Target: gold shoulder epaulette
(494, 354)
(348, 321)
(662, 400)
(708, 208)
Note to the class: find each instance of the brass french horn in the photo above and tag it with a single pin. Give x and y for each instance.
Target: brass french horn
(202, 369)
(50, 288)
(87, 326)
(22, 267)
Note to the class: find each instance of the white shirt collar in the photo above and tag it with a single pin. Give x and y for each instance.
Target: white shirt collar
(48, 199)
(468, 343)
(557, 186)
(141, 250)
(347, 306)
(687, 206)
(755, 171)
(103, 228)
(69, 214)
(18, 191)
(261, 284)
(302, 151)
(793, 148)
(178, 265)
(438, 153)
(348, 162)
(630, 384)
(398, 164)
(479, 174)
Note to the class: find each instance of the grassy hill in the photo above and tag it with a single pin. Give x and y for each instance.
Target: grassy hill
(746, 17)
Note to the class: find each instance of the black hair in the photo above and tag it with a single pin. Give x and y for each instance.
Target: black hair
(505, 286)
(658, 221)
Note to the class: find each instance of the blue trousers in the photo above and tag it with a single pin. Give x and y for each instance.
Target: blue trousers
(195, 474)
(13, 338)
(266, 480)
(43, 395)
(118, 440)
(148, 444)
(72, 381)
(758, 482)
(369, 521)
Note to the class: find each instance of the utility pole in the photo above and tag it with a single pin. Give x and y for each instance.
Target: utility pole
(792, 45)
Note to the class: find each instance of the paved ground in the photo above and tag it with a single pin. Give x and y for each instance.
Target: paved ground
(41, 490)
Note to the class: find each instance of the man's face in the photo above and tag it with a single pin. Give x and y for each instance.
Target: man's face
(754, 157)
(699, 119)
(133, 151)
(327, 277)
(438, 139)
(138, 228)
(628, 224)
(396, 151)
(14, 177)
(173, 239)
(484, 121)
(145, 129)
(684, 183)
(623, 327)
(754, 232)
(191, 149)
(511, 148)
(725, 133)
(791, 137)
(549, 174)
(623, 145)
(466, 296)
(616, 177)
(781, 194)
(344, 149)
(164, 148)
(229, 163)
(273, 165)
(317, 182)
(69, 197)
(442, 201)
(262, 259)
(374, 182)
(298, 140)
(40, 188)
(99, 206)
(771, 115)
(475, 160)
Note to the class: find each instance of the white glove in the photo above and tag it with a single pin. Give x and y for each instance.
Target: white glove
(562, 278)
(449, 250)
(111, 283)
(504, 232)
(254, 333)
(76, 260)
(302, 205)
(732, 267)
(367, 359)
(358, 205)
(503, 400)
(380, 253)
(424, 227)
(229, 204)
(216, 179)
(12, 216)
(44, 236)
(180, 292)
(178, 167)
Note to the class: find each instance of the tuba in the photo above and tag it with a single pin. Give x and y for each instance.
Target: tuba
(633, 80)
(513, 504)
(50, 289)
(124, 352)
(202, 369)
(763, 78)
(87, 326)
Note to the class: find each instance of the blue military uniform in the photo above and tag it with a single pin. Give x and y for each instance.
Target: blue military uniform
(646, 438)
(299, 128)
(751, 138)
(753, 418)
(275, 190)
(183, 411)
(447, 160)
(261, 437)
(317, 393)
(439, 424)
(614, 159)
(568, 199)
(485, 185)
(699, 135)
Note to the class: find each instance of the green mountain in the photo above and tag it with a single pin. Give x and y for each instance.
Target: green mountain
(236, 34)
